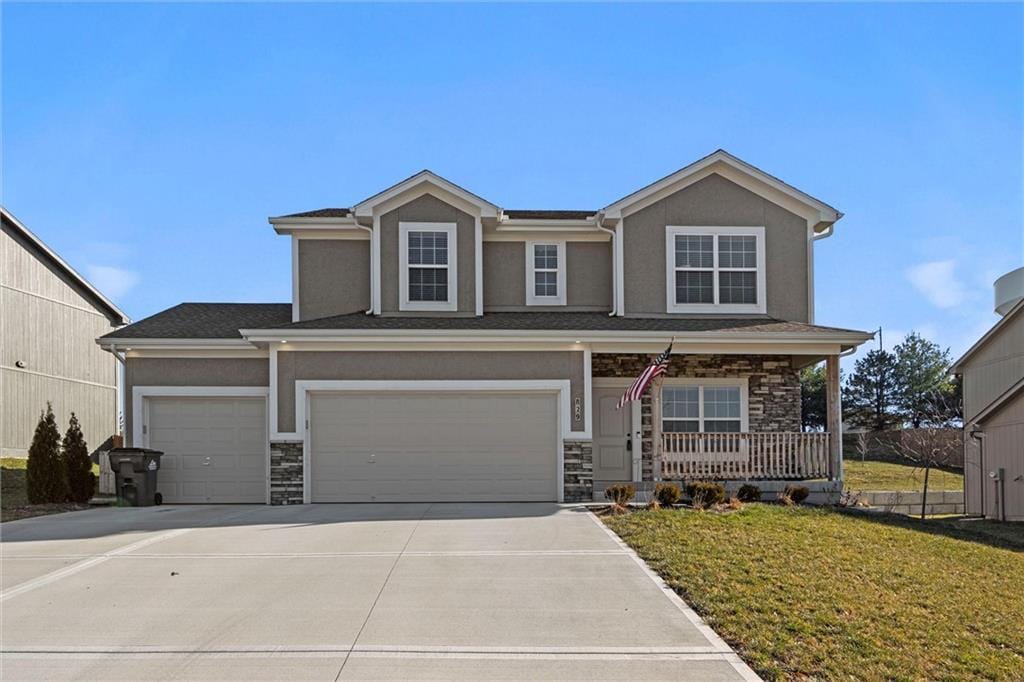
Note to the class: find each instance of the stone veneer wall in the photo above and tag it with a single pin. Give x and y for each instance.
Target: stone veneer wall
(578, 467)
(286, 473)
(774, 388)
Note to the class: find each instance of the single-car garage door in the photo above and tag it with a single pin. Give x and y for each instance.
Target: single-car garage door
(437, 447)
(215, 448)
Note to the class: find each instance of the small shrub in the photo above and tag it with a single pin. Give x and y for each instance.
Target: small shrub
(620, 494)
(45, 478)
(796, 493)
(77, 465)
(734, 503)
(654, 505)
(667, 494)
(705, 493)
(748, 493)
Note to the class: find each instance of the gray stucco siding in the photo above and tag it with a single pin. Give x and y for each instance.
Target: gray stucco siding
(588, 277)
(716, 201)
(428, 209)
(426, 365)
(190, 372)
(334, 277)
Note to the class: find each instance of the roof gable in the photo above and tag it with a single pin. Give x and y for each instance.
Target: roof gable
(115, 314)
(732, 168)
(426, 182)
(1013, 312)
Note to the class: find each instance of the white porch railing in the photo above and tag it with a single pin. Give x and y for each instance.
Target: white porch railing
(766, 455)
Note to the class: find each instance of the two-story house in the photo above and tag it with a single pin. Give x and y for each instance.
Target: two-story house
(438, 347)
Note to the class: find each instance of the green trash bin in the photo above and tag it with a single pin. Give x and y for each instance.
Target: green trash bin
(135, 471)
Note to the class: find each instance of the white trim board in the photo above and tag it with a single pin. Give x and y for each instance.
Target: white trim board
(303, 389)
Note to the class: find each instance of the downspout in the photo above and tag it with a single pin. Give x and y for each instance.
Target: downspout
(978, 435)
(615, 270)
(373, 263)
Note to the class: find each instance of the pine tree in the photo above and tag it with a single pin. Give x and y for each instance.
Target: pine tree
(77, 465)
(923, 369)
(813, 399)
(45, 476)
(871, 395)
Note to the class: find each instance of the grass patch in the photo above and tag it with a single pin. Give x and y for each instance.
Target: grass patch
(870, 475)
(825, 594)
(14, 494)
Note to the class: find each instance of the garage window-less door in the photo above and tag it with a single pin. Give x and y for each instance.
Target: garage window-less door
(437, 447)
(215, 448)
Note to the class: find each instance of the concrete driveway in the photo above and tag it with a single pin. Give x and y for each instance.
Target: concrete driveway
(326, 592)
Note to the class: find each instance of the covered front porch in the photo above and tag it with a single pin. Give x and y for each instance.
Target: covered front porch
(728, 418)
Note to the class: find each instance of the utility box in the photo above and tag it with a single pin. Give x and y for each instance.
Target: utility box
(135, 471)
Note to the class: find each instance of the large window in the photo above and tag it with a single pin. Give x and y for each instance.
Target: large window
(703, 406)
(545, 273)
(715, 269)
(427, 266)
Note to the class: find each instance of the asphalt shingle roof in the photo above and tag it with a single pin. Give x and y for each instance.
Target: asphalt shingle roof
(320, 213)
(206, 321)
(224, 320)
(563, 321)
(530, 214)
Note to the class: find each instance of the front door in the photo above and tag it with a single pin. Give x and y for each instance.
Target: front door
(613, 457)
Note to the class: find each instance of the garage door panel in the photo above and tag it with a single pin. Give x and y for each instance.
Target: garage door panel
(215, 448)
(436, 447)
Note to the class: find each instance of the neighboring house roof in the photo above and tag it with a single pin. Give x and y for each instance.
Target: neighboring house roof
(115, 314)
(994, 406)
(719, 160)
(205, 321)
(224, 320)
(1014, 311)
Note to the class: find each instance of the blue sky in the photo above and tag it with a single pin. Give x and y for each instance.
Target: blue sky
(149, 143)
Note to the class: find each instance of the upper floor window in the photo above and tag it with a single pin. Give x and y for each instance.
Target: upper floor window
(545, 273)
(427, 266)
(715, 269)
(704, 406)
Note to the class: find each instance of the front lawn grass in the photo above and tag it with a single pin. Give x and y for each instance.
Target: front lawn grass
(14, 494)
(806, 593)
(868, 475)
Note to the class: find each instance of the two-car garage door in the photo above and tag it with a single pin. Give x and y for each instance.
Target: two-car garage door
(436, 447)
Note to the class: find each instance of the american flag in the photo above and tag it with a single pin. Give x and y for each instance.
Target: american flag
(655, 369)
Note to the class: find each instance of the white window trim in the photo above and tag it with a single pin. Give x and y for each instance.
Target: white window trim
(531, 272)
(672, 231)
(740, 382)
(404, 303)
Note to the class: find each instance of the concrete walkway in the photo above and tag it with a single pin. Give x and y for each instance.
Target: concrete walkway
(340, 592)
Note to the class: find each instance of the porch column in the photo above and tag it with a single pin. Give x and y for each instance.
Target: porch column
(834, 417)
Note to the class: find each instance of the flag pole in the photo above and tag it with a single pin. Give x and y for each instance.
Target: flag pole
(657, 451)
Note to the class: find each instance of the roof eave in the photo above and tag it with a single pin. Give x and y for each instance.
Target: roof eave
(70, 271)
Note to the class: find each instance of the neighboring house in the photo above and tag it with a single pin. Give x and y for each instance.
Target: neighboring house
(993, 387)
(438, 347)
(49, 319)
